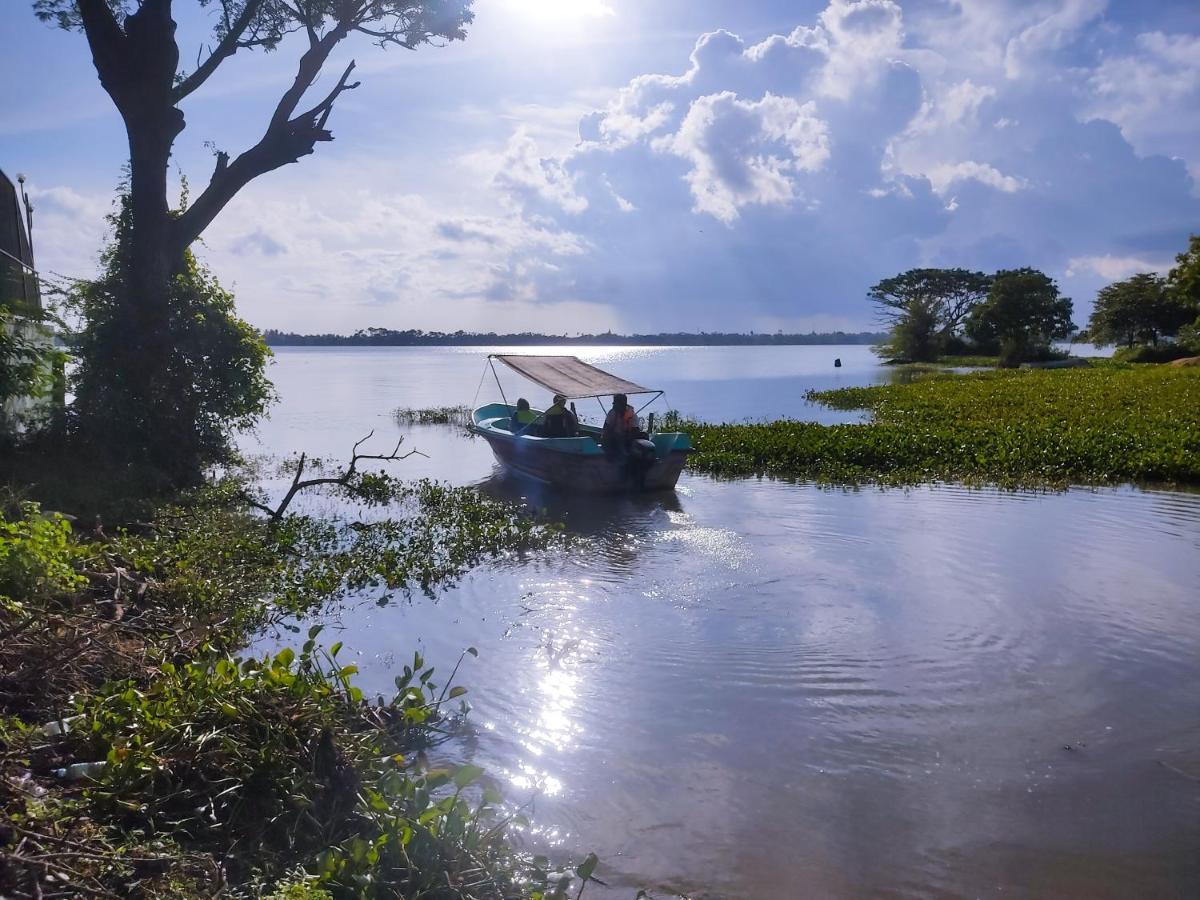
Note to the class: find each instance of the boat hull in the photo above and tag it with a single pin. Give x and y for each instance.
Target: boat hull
(578, 464)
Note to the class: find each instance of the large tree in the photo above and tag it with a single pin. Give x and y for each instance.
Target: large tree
(952, 293)
(1022, 314)
(137, 57)
(1138, 310)
(926, 307)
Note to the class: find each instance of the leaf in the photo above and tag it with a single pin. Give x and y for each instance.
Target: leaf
(472, 651)
(467, 775)
(333, 651)
(314, 631)
(587, 867)
(285, 657)
(457, 692)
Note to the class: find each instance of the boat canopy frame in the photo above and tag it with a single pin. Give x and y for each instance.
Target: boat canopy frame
(569, 376)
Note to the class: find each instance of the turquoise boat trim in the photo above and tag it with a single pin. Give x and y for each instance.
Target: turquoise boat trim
(496, 419)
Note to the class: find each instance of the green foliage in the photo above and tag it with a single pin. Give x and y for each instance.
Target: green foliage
(38, 558)
(926, 308)
(1097, 425)
(1184, 279)
(213, 560)
(914, 337)
(1022, 315)
(279, 767)
(164, 390)
(1157, 353)
(285, 755)
(437, 415)
(28, 365)
(1139, 309)
(402, 22)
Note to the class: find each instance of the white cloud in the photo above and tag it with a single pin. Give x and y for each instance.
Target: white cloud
(524, 175)
(1050, 32)
(946, 175)
(68, 229)
(743, 152)
(753, 185)
(1114, 268)
(1153, 94)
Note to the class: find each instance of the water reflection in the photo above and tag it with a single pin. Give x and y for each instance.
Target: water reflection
(762, 689)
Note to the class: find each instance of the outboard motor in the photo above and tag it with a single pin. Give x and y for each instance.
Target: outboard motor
(641, 457)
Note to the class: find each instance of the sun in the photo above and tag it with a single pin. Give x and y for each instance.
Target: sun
(558, 12)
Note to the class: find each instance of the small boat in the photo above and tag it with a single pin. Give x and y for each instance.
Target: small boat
(578, 463)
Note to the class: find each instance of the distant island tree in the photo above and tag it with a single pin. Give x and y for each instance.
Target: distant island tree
(1149, 317)
(925, 310)
(386, 337)
(1138, 310)
(939, 314)
(1023, 314)
(1183, 281)
(136, 53)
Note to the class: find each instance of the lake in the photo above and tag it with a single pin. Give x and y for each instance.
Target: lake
(764, 689)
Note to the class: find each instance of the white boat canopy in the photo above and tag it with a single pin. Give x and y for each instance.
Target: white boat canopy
(570, 376)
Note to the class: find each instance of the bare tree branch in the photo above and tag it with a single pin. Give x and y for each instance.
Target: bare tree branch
(226, 48)
(319, 114)
(344, 479)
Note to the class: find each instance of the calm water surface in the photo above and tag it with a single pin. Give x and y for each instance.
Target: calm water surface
(758, 689)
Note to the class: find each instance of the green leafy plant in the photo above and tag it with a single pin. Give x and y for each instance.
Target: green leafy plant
(1103, 424)
(174, 415)
(37, 556)
(29, 363)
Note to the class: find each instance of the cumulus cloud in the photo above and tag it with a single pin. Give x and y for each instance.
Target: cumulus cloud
(1114, 268)
(1061, 24)
(749, 183)
(1152, 92)
(526, 177)
(744, 152)
(847, 149)
(945, 175)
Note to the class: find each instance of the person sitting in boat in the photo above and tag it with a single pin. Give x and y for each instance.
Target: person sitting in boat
(559, 420)
(523, 417)
(620, 427)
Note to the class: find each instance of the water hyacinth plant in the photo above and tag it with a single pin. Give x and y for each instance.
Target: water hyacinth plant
(1043, 428)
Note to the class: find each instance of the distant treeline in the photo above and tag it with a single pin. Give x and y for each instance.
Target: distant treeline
(385, 337)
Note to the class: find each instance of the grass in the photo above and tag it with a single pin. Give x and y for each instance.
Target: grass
(1104, 424)
(438, 415)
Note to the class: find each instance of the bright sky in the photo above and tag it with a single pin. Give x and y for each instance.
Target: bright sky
(577, 165)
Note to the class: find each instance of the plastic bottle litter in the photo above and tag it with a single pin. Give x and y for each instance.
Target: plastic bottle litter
(58, 726)
(80, 771)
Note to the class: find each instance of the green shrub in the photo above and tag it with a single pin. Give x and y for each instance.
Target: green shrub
(37, 556)
(284, 755)
(164, 388)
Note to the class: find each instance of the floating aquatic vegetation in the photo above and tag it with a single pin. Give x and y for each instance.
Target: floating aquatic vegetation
(1043, 428)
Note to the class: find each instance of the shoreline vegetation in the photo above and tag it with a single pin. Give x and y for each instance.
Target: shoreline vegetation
(143, 754)
(384, 337)
(1100, 423)
(1106, 423)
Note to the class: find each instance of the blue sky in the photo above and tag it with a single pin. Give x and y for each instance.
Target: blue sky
(578, 165)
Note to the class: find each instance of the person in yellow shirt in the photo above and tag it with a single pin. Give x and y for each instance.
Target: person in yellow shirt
(523, 417)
